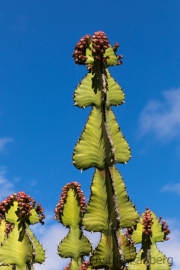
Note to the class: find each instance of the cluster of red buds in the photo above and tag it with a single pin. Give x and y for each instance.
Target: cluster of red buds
(26, 204)
(147, 222)
(119, 57)
(84, 265)
(9, 228)
(165, 228)
(100, 43)
(60, 206)
(67, 267)
(129, 232)
(80, 50)
(6, 204)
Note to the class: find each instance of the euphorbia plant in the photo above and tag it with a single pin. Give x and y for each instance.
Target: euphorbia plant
(101, 145)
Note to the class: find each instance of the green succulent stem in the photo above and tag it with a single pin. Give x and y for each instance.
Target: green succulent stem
(69, 212)
(19, 248)
(146, 247)
(108, 140)
(101, 146)
(148, 232)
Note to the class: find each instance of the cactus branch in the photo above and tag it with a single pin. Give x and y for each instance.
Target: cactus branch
(19, 248)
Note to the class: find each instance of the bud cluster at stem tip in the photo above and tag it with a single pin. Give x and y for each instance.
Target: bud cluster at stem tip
(97, 44)
(80, 50)
(147, 222)
(25, 205)
(60, 206)
(100, 43)
(6, 204)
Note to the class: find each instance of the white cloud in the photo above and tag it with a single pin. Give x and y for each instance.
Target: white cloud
(6, 187)
(171, 188)
(3, 142)
(162, 117)
(50, 238)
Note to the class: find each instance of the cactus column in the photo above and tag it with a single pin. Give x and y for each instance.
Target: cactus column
(101, 146)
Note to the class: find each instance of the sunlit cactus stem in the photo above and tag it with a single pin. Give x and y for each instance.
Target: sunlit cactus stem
(148, 232)
(19, 248)
(102, 145)
(69, 211)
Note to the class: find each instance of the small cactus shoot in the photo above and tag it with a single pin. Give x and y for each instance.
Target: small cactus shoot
(69, 211)
(149, 231)
(19, 248)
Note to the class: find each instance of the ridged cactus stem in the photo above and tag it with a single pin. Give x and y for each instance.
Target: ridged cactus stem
(101, 145)
(69, 212)
(110, 145)
(146, 246)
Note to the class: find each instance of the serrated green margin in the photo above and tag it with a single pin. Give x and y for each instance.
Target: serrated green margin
(90, 149)
(38, 251)
(71, 211)
(127, 212)
(15, 252)
(122, 151)
(89, 91)
(128, 249)
(106, 254)
(75, 245)
(112, 56)
(96, 214)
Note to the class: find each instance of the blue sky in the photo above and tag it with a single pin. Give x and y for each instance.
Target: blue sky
(39, 125)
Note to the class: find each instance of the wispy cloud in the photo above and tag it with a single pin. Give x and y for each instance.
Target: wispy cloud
(6, 187)
(171, 188)
(4, 141)
(50, 240)
(162, 118)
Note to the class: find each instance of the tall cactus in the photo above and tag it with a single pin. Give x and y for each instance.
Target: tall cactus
(19, 248)
(102, 145)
